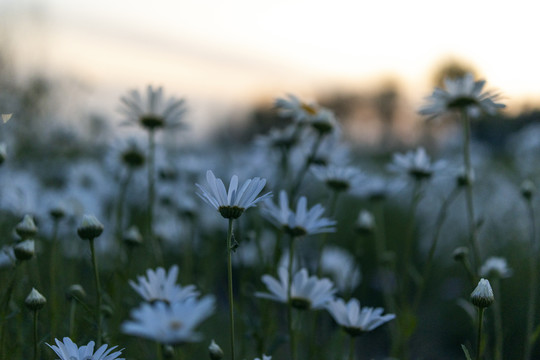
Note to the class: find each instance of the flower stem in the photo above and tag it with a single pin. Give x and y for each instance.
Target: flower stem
(72, 309)
(156, 246)
(52, 278)
(533, 266)
(289, 300)
(351, 347)
(230, 284)
(120, 205)
(473, 236)
(479, 335)
(305, 168)
(98, 293)
(159, 351)
(498, 322)
(35, 335)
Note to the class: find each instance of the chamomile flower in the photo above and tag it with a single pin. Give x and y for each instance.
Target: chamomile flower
(169, 324)
(153, 111)
(415, 163)
(307, 292)
(354, 319)
(232, 204)
(299, 223)
(68, 350)
(338, 178)
(295, 108)
(463, 93)
(159, 285)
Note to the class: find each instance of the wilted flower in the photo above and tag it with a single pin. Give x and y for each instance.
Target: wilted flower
(307, 292)
(299, 223)
(160, 286)
(354, 319)
(232, 204)
(496, 267)
(169, 324)
(461, 94)
(482, 296)
(415, 163)
(154, 111)
(68, 350)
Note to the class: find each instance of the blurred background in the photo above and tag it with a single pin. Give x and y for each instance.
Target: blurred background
(372, 62)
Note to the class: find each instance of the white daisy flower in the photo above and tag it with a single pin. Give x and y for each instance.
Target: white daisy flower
(354, 319)
(307, 292)
(232, 204)
(339, 178)
(169, 324)
(415, 163)
(496, 267)
(160, 286)
(339, 264)
(461, 93)
(154, 111)
(68, 350)
(320, 118)
(299, 223)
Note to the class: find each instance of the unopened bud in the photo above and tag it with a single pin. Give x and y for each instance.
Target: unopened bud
(365, 224)
(26, 228)
(24, 250)
(3, 153)
(482, 296)
(133, 236)
(168, 352)
(90, 228)
(215, 351)
(34, 300)
(460, 253)
(75, 291)
(528, 189)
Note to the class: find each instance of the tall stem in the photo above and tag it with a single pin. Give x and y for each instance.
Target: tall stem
(98, 295)
(473, 236)
(305, 168)
(351, 347)
(158, 255)
(4, 307)
(52, 278)
(533, 266)
(72, 308)
(230, 283)
(35, 315)
(498, 322)
(479, 335)
(120, 205)
(289, 300)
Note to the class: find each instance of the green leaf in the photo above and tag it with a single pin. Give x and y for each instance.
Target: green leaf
(467, 355)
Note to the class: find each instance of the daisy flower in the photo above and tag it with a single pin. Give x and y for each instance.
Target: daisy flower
(415, 163)
(160, 286)
(233, 203)
(339, 264)
(339, 178)
(463, 93)
(307, 292)
(153, 111)
(354, 319)
(318, 117)
(68, 350)
(169, 324)
(299, 223)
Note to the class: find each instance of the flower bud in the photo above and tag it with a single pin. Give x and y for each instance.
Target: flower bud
(460, 253)
(527, 189)
(3, 153)
(133, 237)
(24, 250)
(90, 228)
(57, 212)
(26, 228)
(482, 296)
(168, 352)
(75, 291)
(365, 224)
(215, 351)
(35, 301)
(465, 178)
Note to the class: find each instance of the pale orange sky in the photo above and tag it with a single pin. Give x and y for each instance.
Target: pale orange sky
(223, 54)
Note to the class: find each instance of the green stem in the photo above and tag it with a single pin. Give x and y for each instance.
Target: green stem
(52, 278)
(473, 233)
(479, 335)
(351, 347)
(72, 309)
(35, 335)
(441, 217)
(159, 351)
(156, 246)
(230, 284)
(498, 322)
(289, 300)
(120, 206)
(305, 168)
(4, 307)
(98, 296)
(533, 266)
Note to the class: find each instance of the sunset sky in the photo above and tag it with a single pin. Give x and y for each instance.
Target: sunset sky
(225, 54)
